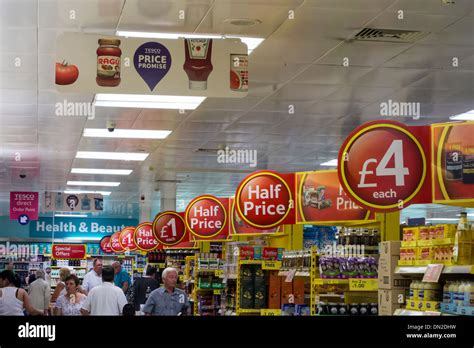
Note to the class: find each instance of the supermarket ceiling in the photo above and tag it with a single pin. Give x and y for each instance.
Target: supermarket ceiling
(299, 64)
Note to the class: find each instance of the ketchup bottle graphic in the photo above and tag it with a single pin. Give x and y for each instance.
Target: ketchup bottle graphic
(198, 64)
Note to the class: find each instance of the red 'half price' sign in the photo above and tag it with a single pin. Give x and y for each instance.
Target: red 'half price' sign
(169, 228)
(206, 217)
(382, 166)
(144, 238)
(265, 199)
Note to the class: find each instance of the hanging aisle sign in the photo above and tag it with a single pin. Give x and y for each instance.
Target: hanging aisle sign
(68, 251)
(239, 227)
(105, 245)
(115, 243)
(321, 199)
(453, 163)
(144, 237)
(383, 165)
(169, 228)
(180, 67)
(127, 239)
(207, 217)
(24, 203)
(265, 199)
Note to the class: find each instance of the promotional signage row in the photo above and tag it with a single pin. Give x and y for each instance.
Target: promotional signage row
(179, 67)
(59, 201)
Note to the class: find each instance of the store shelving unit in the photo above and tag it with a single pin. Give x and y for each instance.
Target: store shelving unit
(459, 269)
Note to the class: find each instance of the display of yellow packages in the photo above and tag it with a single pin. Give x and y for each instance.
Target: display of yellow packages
(443, 254)
(407, 254)
(424, 233)
(410, 234)
(424, 255)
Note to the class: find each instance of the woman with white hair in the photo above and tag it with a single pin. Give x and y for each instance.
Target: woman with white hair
(40, 292)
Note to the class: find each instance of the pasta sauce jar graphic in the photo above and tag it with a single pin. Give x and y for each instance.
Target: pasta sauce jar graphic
(198, 64)
(108, 63)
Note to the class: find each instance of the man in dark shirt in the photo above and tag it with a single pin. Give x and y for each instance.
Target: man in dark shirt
(142, 287)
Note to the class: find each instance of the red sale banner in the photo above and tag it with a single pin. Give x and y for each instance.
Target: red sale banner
(238, 226)
(320, 198)
(383, 165)
(453, 163)
(144, 237)
(207, 217)
(169, 228)
(265, 199)
(188, 242)
(68, 251)
(105, 245)
(24, 203)
(115, 243)
(126, 239)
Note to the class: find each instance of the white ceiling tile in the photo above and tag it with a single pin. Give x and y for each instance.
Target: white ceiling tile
(331, 75)
(391, 77)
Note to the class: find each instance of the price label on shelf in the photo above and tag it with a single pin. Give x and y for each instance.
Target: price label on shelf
(161, 265)
(382, 166)
(219, 272)
(270, 312)
(363, 284)
(271, 265)
(181, 277)
(217, 291)
(432, 273)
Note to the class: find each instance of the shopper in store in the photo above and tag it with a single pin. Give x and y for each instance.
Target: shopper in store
(93, 278)
(61, 285)
(10, 267)
(142, 288)
(71, 302)
(167, 300)
(47, 275)
(105, 299)
(13, 299)
(40, 292)
(31, 278)
(121, 279)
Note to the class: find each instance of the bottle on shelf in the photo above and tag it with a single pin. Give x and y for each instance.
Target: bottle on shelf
(462, 242)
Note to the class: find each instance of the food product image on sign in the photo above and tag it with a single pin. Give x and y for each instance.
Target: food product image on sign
(66, 74)
(108, 63)
(382, 166)
(152, 61)
(239, 73)
(198, 65)
(453, 158)
(169, 228)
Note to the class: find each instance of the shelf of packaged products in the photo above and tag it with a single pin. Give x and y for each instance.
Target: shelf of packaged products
(323, 281)
(411, 312)
(459, 269)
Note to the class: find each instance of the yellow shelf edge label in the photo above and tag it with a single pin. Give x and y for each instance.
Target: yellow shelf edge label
(271, 265)
(368, 284)
(270, 312)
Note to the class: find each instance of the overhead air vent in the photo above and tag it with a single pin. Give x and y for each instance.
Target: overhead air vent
(389, 35)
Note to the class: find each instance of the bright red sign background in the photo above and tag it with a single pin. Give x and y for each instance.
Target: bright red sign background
(198, 224)
(169, 228)
(144, 238)
(115, 243)
(320, 198)
(69, 251)
(105, 245)
(126, 239)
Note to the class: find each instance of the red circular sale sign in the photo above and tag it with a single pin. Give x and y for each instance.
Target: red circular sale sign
(169, 228)
(382, 166)
(144, 238)
(115, 243)
(105, 245)
(263, 200)
(206, 216)
(126, 239)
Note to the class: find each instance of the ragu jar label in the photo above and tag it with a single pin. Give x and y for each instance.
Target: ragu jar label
(169, 228)
(206, 216)
(264, 200)
(108, 63)
(239, 72)
(453, 161)
(144, 237)
(115, 243)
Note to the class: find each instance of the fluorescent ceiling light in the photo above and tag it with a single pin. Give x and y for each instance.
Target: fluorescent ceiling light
(126, 133)
(78, 192)
(331, 163)
(94, 183)
(70, 215)
(174, 102)
(101, 171)
(442, 219)
(467, 116)
(120, 156)
(251, 42)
